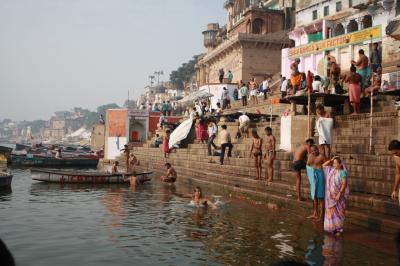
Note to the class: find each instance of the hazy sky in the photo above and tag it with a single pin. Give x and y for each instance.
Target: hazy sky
(59, 54)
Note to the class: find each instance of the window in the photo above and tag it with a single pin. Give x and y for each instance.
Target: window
(315, 14)
(338, 6)
(326, 11)
(350, 3)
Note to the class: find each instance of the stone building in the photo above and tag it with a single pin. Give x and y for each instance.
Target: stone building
(249, 44)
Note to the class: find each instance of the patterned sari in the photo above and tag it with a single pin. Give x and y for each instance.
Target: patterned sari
(335, 210)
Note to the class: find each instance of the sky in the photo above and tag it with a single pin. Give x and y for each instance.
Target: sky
(60, 54)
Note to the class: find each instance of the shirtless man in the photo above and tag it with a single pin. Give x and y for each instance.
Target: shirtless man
(299, 163)
(114, 168)
(316, 160)
(126, 151)
(135, 180)
(171, 175)
(394, 148)
(270, 154)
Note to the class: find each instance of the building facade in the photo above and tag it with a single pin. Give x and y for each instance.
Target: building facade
(247, 45)
(338, 29)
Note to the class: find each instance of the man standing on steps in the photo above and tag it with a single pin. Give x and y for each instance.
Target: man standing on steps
(270, 153)
(394, 148)
(299, 163)
(324, 126)
(126, 151)
(316, 177)
(244, 93)
(225, 141)
(212, 134)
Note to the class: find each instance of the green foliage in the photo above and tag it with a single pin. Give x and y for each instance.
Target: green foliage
(131, 104)
(183, 74)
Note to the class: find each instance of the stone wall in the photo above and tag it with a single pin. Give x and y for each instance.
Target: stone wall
(259, 60)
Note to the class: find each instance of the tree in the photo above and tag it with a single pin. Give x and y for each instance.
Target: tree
(131, 104)
(183, 74)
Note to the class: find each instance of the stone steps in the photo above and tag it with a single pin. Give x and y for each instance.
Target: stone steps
(369, 180)
(355, 214)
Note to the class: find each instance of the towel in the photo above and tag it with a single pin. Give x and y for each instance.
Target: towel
(316, 178)
(324, 127)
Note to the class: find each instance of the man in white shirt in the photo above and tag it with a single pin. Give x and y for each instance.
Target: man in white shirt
(284, 86)
(225, 141)
(244, 123)
(225, 98)
(265, 86)
(212, 134)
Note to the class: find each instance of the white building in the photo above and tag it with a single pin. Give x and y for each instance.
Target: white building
(339, 28)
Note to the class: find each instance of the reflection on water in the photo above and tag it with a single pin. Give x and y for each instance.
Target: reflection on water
(52, 224)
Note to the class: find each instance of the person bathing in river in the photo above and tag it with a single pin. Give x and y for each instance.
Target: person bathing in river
(256, 152)
(198, 199)
(114, 168)
(316, 177)
(171, 174)
(299, 163)
(135, 180)
(270, 154)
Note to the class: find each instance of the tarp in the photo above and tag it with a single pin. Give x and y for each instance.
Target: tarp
(80, 133)
(197, 95)
(180, 133)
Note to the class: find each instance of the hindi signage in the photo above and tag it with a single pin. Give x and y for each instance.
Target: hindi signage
(336, 42)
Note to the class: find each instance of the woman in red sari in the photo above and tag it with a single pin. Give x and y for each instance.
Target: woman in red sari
(201, 130)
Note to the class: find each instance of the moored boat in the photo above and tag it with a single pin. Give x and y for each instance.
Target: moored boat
(46, 161)
(56, 176)
(5, 180)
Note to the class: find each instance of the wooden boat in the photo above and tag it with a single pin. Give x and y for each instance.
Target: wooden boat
(45, 161)
(56, 176)
(5, 154)
(5, 180)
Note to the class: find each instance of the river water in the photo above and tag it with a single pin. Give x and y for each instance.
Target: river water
(50, 224)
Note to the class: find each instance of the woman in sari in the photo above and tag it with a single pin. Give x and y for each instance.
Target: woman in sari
(336, 194)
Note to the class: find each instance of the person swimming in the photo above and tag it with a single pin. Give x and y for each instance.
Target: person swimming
(171, 174)
(199, 200)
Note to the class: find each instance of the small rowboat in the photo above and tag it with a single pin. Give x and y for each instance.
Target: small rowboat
(43, 161)
(56, 176)
(5, 180)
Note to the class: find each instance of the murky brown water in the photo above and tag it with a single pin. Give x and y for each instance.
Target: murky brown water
(46, 224)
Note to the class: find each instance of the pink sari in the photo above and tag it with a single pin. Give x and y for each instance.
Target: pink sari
(335, 210)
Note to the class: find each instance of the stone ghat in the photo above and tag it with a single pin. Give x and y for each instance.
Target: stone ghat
(369, 204)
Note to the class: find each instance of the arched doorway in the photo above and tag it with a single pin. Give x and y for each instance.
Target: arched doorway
(352, 26)
(367, 21)
(339, 30)
(257, 26)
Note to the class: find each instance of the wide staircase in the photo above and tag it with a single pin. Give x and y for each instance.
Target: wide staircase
(370, 176)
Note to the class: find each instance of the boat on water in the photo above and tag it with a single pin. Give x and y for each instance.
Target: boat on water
(5, 154)
(5, 180)
(57, 176)
(34, 160)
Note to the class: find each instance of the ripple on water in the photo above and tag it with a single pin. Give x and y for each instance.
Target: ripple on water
(49, 224)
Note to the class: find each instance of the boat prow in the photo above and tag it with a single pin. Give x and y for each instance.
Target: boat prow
(5, 180)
